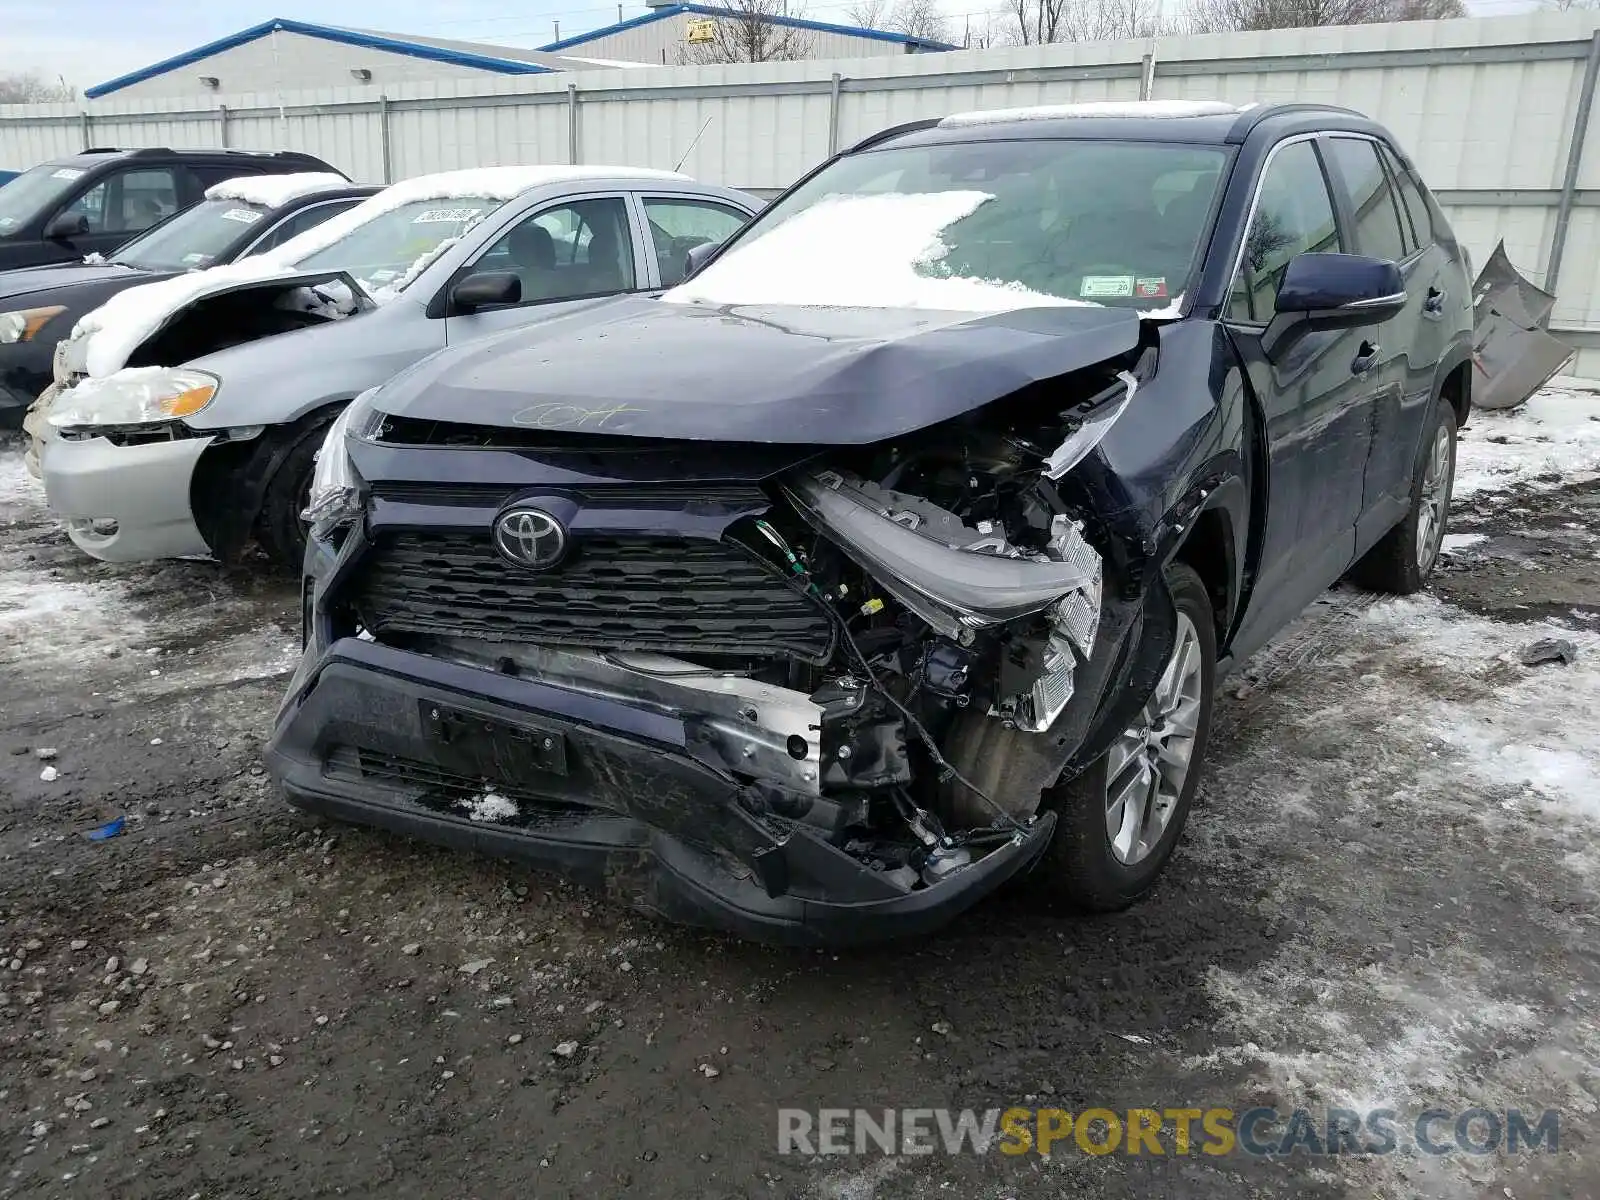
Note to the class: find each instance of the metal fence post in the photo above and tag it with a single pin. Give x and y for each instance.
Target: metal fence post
(1569, 181)
(1147, 75)
(833, 117)
(384, 138)
(222, 125)
(88, 134)
(572, 123)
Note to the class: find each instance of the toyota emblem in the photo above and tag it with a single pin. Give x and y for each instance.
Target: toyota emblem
(530, 537)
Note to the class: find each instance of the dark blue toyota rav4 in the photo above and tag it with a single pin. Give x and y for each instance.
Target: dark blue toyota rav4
(897, 552)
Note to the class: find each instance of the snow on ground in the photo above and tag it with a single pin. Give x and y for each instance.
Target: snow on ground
(878, 251)
(273, 191)
(1555, 434)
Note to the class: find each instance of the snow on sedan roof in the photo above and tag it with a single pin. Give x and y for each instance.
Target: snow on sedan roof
(489, 183)
(274, 191)
(1095, 108)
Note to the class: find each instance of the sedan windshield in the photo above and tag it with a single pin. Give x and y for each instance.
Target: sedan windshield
(387, 251)
(980, 227)
(192, 239)
(26, 195)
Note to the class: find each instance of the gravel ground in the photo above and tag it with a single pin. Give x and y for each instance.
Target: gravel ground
(1386, 898)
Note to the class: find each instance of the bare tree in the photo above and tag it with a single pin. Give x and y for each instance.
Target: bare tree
(751, 31)
(1217, 16)
(914, 18)
(29, 88)
(1040, 21)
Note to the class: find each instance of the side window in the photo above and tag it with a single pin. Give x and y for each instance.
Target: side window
(1377, 219)
(678, 225)
(1294, 215)
(306, 218)
(128, 201)
(581, 248)
(1416, 204)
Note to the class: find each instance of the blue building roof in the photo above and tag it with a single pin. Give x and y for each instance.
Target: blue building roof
(504, 60)
(706, 10)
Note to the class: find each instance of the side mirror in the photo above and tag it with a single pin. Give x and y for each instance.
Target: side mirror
(698, 257)
(1333, 291)
(487, 289)
(66, 227)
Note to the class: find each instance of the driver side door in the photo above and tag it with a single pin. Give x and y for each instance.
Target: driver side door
(1313, 396)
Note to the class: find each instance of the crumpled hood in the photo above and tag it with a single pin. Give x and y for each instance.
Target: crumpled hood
(838, 376)
(33, 281)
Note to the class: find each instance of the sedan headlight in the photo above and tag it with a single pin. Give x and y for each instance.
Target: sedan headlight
(20, 326)
(335, 498)
(134, 396)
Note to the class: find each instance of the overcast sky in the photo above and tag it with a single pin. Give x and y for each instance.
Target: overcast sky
(90, 41)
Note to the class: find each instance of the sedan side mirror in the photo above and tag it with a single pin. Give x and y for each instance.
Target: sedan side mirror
(698, 257)
(65, 227)
(486, 289)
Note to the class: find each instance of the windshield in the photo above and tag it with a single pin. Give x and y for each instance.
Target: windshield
(192, 239)
(390, 250)
(980, 227)
(26, 195)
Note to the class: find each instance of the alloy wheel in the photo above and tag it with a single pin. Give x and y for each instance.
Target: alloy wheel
(1149, 763)
(1435, 500)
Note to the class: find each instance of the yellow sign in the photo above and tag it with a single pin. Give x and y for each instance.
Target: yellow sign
(701, 29)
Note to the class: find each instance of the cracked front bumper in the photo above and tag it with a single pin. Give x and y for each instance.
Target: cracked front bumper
(609, 793)
(125, 503)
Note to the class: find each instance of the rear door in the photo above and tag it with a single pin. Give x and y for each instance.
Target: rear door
(1380, 227)
(1314, 396)
(567, 250)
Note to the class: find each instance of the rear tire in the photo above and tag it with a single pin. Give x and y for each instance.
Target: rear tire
(280, 531)
(1119, 821)
(1404, 557)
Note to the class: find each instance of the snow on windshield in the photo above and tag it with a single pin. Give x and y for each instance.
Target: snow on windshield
(876, 251)
(274, 191)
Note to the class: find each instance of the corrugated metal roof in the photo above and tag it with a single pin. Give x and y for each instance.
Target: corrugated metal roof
(705, 10)
(502, 60)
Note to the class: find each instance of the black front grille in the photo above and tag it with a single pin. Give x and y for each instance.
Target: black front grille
(441, 788)
(670, 595)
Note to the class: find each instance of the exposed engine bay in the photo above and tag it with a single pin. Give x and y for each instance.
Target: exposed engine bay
(962, 586)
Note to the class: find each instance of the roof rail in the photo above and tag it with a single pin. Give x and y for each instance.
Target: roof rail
(149, 151)
(893, 131)
(101, 150)
(1251, 117)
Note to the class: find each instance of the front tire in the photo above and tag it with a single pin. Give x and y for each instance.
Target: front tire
(1404, 557)
(280, 531)
(1120, 820)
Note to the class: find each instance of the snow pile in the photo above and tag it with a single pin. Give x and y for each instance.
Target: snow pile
(1094, 108)
(107, 336)
(490, 183)
(274, 191)
(879, 251)
(490, 806)
(1556, 433)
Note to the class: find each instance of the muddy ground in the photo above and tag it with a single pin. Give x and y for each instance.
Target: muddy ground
(1379, 903)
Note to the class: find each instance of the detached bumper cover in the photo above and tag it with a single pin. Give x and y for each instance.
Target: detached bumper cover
(610, 794)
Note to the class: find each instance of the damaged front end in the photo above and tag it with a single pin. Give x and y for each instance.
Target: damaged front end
(825, 702)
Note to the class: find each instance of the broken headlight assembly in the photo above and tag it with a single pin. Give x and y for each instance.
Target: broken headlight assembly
(956, 578)
(134, 396)
(335, 498)
(22, 325)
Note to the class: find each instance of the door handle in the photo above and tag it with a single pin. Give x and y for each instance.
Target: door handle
(1366, 358)
(1433, 306)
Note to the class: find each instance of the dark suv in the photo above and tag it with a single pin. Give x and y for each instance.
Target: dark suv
(91, 203)
(899, 551)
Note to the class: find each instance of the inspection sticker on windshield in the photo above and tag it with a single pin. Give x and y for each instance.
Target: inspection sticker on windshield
(66, 173)
(242, 215)
(445, 216)
(1099, 286)
(1150, 287)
